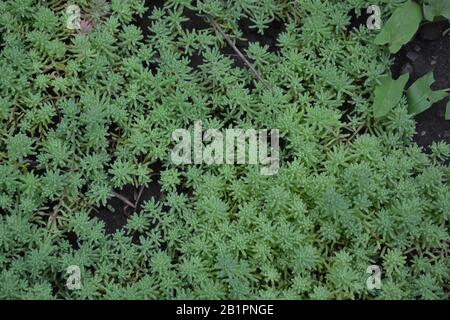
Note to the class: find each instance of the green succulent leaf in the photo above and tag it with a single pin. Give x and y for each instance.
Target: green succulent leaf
(436, 8)
(401, 26)
(388, 93)
(447, 111)
(421, 96)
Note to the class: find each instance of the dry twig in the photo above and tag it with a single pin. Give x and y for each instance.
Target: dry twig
(123, 199)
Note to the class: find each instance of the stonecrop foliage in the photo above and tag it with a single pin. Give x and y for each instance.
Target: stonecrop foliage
(84, 114)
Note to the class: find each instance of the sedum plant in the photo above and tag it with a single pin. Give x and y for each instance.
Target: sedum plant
(87, 114)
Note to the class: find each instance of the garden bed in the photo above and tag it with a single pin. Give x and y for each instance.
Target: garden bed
(88, 181)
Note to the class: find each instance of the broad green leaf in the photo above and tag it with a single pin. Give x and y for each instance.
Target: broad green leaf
(436, 8)
(421, 96)
(387, 94)
(401, 26)
(447, 111)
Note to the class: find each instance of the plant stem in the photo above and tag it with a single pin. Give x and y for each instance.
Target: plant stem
(238, 52)
(123, 199)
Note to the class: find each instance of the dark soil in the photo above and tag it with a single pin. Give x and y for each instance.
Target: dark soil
(250, 35)
(357, 19)
(268, 39)
(144, 22)
(429, 50)
(115, 214)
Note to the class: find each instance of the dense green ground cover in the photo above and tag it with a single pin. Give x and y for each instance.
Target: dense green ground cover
(85, 113)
